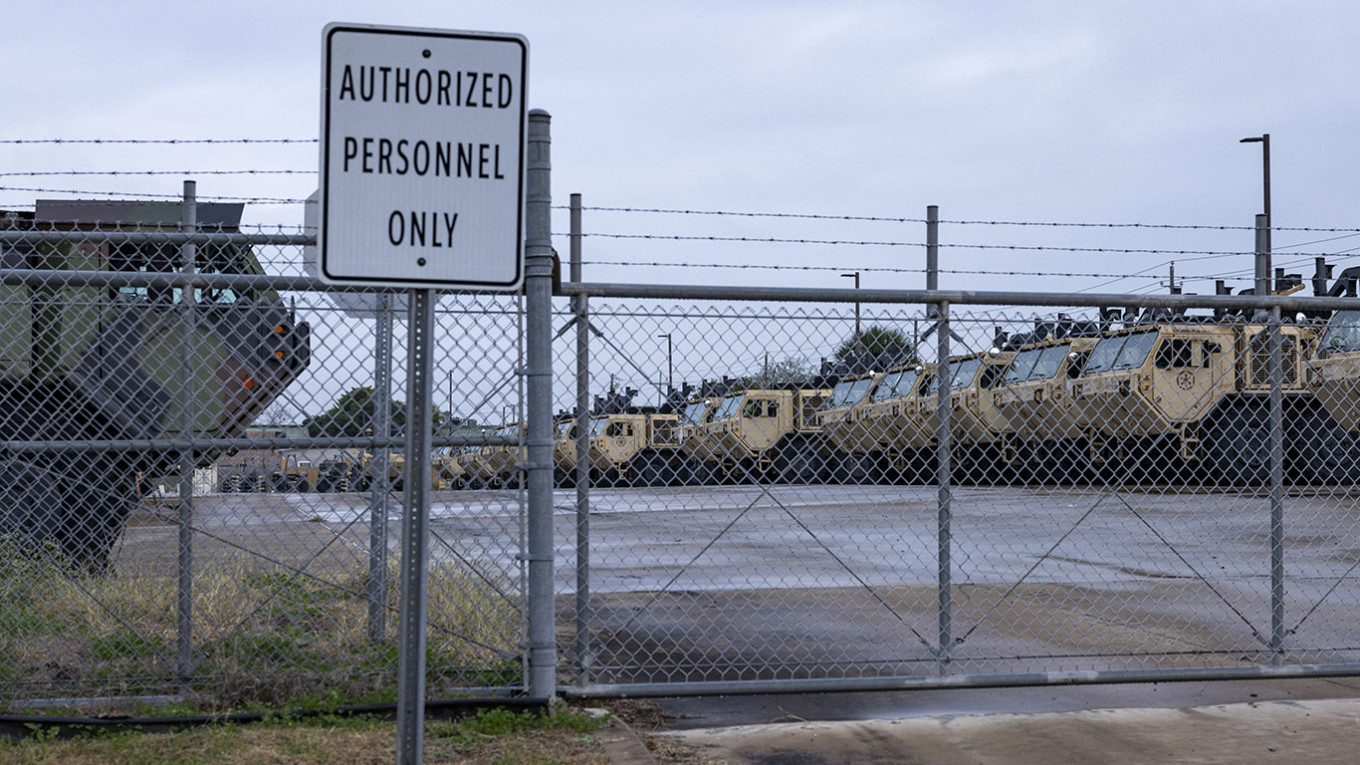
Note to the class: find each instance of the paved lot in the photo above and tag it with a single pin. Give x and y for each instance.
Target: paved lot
(1277, 721)
(746, 583)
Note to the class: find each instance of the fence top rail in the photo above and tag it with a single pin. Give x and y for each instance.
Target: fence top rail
(957, 297)
(1287, 303)
(17, 236)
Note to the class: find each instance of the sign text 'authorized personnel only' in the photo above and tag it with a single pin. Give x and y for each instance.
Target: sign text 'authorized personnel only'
(422, 158)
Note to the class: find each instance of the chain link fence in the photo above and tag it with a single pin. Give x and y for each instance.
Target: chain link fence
(201, 469)
(793, 496)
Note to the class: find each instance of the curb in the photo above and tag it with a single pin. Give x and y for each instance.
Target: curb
(622, 746)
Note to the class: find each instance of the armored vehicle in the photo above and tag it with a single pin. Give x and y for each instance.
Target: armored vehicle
(638, 449)
(695, 443)
(1170, 401)
(1032, 396)
(500, 463)
(83, 363)
(886, 440)
(564, 452)
(1334, 378)
(447, 471)
(977, 428)
(770, 435)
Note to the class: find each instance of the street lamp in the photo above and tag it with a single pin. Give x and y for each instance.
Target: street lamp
(1264, 140)
(855, 276)
(670, 366)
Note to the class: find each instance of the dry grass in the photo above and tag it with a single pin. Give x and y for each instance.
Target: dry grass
(260, 633)
(568, 738)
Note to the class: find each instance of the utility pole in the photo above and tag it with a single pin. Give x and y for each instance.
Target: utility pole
(1264, 140)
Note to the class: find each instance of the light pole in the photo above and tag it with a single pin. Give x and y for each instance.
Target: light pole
(670, 366)
(855, 276)
(1264, 140)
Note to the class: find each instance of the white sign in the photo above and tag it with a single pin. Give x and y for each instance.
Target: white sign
(422, 158)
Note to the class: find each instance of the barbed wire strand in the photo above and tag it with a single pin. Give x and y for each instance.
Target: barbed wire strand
(155, 141)
(958, 222)
(44, 173)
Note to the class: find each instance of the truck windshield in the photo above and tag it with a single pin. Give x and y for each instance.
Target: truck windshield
(1048, 363)
(1135, 350)
(896, 384)
(694, 413)
(849, 392)
(729, 407)
(1103, 356)
(1021, 366)
(964, 373)
(1120, 352)
(1343, 332)
(598, 425)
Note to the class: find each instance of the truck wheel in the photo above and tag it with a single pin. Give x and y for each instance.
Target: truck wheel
(647, 472)
(1237, 448)
(796, 466)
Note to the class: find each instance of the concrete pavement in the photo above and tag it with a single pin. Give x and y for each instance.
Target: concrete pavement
(1303, 721)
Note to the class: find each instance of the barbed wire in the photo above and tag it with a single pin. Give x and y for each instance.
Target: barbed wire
(958, 222)
(154, 195)
(1205, 254)
(898, 270)
(36, 173)
(156, 141)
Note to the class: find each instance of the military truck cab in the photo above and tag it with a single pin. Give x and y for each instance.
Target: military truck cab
(638, 449)
(1164, 401)
(976, 425)
(772, 435)
(500, 464)
(1033, 397)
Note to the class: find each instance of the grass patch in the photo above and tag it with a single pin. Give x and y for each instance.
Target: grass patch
(261, 634)
(493, 736)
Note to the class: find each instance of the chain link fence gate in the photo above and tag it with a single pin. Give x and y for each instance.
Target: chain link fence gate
(1039, 489)
(202, 462)
(198, 474)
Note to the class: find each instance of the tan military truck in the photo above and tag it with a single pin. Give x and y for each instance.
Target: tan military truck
(564, 452)
(638, 449)
(977, 427)
(1032, 395)
(695, 441)
(847, 431)
(446, 472)
(471, 464)
(890, 443)
(771, 435)
(1166, 401)
(500, 464)
(1334, 379)
(296, 473)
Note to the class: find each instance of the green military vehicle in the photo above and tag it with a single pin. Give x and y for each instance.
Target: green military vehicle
(84, 361)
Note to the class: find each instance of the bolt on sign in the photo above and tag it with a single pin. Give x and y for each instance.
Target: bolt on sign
(422, 158)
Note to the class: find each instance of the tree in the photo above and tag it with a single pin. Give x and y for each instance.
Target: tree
(352, 415)
(876, 348)
(791, 370)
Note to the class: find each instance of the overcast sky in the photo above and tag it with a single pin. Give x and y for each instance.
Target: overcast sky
(1112, 112)
(1030, 112)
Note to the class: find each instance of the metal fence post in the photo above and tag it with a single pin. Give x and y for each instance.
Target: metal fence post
(1277, 628)
(378, 472)
(581, 305)
(415, 530)
(943, 468)
(538, 270)
(185, 556)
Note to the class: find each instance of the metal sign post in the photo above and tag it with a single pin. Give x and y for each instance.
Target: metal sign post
(423, 136)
